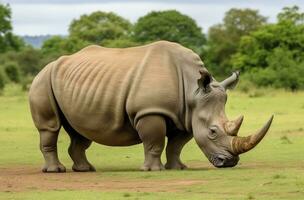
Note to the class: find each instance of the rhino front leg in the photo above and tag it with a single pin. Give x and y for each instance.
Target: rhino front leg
(152, 132)
(77, 152)
(174, 147)
(77, 148)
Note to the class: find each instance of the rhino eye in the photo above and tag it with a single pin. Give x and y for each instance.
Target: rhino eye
(212, 132)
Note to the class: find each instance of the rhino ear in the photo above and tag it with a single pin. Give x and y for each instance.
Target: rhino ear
(204, 81)
(231, 82)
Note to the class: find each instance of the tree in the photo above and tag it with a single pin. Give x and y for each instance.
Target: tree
(223, 39)
(57, 45)
(100, 26)
(53, 46)
(291, 14)
(274, 54)
(8, 41)
(169, 25)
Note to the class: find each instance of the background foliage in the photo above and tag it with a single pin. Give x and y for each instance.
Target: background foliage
(274, 54)
(169, 25)
(224, 38)
(268, 54)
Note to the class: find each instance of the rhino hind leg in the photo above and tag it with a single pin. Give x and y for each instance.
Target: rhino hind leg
(77, 148)
(174, 147)
(152, 131)
(48, 125)
(46, 118)
(48, 147)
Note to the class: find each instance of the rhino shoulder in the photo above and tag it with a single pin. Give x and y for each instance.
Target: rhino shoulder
(91, 48)
(166, 44)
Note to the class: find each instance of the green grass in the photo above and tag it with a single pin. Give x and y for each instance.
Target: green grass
(273, 170)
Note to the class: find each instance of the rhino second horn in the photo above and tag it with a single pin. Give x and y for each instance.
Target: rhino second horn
(244, 144)
(232, 127)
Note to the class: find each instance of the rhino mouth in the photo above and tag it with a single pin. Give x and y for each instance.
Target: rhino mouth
(222, 161)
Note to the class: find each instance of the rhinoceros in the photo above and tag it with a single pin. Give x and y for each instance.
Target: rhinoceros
(127, 96)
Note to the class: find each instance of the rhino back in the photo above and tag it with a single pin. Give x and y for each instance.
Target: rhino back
(103, 92)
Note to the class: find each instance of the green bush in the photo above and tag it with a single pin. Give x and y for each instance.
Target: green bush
(245, 85)
(2, 80)
(26, 82)
(12, 71)
(29, 61)
(282, 72)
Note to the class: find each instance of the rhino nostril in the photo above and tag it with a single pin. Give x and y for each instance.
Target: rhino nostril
(219, 161)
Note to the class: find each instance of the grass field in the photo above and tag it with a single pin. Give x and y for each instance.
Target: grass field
(273, 170)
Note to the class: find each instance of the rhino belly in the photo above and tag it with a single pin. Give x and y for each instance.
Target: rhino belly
(102, 132)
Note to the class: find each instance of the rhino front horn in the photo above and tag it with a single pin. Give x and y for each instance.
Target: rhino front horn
(244, 144)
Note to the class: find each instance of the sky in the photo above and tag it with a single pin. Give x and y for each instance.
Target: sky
(41, 17)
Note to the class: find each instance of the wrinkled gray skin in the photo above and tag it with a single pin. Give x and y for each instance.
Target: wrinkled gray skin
(120, 112)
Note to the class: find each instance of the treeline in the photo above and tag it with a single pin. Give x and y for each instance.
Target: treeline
(268, 54)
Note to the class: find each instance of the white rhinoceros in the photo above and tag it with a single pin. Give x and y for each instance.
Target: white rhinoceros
(122, 97)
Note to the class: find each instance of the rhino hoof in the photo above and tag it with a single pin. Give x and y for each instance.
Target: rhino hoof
(83, 168)
(54, 168)
(175, 166)
(153, 168)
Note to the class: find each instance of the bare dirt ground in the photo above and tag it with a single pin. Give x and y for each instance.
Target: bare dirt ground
(18, 179)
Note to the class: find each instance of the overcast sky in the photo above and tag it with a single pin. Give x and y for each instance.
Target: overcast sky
(34, 17)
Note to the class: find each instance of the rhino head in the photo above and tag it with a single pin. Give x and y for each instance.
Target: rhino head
(212, 131)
